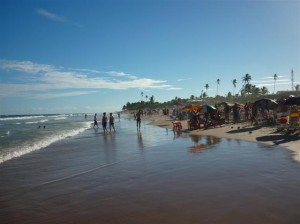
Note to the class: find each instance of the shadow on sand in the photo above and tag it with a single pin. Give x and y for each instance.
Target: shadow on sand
(279, 138)
(244, 129)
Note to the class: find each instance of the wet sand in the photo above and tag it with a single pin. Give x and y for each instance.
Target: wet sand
(152, 176)
(243, 131)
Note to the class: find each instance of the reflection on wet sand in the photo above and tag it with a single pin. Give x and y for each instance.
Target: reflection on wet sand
(140, 140)
(203, 142)
(177, 134)
(109, 179)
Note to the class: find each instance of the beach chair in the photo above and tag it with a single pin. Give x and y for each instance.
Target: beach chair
(201, 123)
(177, 125)
(193, 124)
(282, 122)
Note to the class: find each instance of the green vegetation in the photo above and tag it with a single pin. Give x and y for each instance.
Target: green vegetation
(248, 93)
(209, 100)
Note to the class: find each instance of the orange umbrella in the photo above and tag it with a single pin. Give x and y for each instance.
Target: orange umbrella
(191, 107)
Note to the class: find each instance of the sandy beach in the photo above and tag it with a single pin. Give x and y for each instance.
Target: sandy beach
(242, 131)
(153, 176)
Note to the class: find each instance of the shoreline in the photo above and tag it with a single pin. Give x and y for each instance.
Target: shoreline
(241, 131)
(146, 177)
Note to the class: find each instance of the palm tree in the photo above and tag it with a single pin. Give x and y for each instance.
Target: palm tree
(255, 90)
(152, 99)
(234, 82)
(229, 95)
(264, 90)
(247, 87)
(201, 96)
(246, 79)
(206, 87)
(218, 83)
(142, 96)
(275, 78)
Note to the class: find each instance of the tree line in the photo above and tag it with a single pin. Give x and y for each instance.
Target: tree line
(248, 93)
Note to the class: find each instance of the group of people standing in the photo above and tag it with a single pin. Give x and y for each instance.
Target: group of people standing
(111, 121)
(104, 121)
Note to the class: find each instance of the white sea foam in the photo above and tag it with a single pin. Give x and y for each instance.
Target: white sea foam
(31, 122)
(60, 118)
(35, 122)
(20, 118)
(59, 115)
(30, 147)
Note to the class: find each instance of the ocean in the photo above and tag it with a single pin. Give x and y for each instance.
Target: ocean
(21, 134)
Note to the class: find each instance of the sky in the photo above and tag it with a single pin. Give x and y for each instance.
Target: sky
(88, 56)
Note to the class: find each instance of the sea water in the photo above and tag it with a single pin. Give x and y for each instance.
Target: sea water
(21, 134)
(150, 176)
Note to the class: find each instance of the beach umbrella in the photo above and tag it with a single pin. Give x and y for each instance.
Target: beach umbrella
(240, 105)
(265, 103)
(208, 108)
(226, 104)
(292, 101)
(191, 108)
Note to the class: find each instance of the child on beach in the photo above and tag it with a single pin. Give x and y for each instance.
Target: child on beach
(111, 122)
(95, 120)
(104, 122)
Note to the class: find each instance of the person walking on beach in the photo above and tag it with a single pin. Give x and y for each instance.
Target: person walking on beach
(236, 113)
(111, 122)
(104, 122)
(138, 119)
(95, 120)
(254, 115)
(227, 112)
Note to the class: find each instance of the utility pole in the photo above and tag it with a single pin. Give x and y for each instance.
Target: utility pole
(292, 72)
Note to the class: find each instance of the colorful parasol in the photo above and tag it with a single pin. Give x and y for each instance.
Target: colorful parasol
(191, 108)
(208, 108)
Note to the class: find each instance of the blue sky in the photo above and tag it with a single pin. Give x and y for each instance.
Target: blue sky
(94, 56)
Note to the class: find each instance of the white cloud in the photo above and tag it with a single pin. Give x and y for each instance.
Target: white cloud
(41, 79)
(174, 88)
(51, 16)
(272, 84)
(271, 81)
(121, 74)
(272, 77)
(281, 80)
(57, 95)
(180, 80)
(25, 66)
